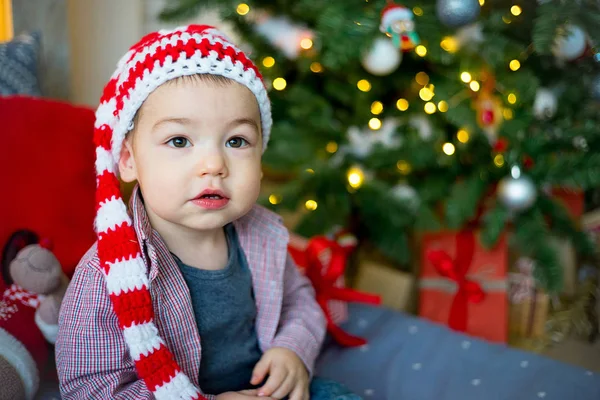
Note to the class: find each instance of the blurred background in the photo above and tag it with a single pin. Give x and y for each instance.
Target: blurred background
(404, 125)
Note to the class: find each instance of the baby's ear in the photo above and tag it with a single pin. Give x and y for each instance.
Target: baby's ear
(127, 169)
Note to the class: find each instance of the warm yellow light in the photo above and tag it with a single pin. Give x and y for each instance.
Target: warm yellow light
(364, 85)
(316, 67)
(516, 10)
(499, 160)
(376, 107)
(310, 170)
(306, 43)
(508, 114)
(418, 11)
(481, 2)
(331, 147)
(443, 106)
(279, 84)
(448, 148)
(404, 167)
(422, 78)
(375, 123)
(450, 44)
(512, 98)
(465, 77)
(402, 104)
(474, 85)
(426, 94)
(462, 135)
(355, 177)
(421, 50)
(514, 65)
(268, 62)
(7, 31)
(311, 205)
(506, 20)
(243, 9)
(430, 108)
(275, 199)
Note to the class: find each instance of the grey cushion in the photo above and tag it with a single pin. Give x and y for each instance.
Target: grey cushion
(19, 66)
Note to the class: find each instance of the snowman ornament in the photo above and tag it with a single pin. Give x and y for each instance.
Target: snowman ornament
(397, 22)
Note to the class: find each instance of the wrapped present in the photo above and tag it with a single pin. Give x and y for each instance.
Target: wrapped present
(529, 306)
(395, 287)
(572, 199)
(567, 257)
(590, 223)
(464, 285)
(323, 261)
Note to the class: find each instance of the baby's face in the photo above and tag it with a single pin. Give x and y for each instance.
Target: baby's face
(196, 153)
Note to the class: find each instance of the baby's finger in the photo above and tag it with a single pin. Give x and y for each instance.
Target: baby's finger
(276, 378)
(299, 393)
(260, 371)
(285, 388)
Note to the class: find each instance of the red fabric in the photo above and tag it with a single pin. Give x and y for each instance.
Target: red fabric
(486, 316)
(47, 163)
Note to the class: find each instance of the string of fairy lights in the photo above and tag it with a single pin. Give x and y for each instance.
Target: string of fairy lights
(355, 174)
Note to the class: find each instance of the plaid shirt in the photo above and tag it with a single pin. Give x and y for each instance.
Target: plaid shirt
(91, 354)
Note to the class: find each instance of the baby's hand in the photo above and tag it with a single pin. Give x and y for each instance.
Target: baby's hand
(287, 375)
(243, 395)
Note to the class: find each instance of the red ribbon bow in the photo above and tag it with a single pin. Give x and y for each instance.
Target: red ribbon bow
(324, 278)
(456, 270)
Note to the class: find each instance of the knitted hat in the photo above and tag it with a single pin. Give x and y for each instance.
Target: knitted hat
(156, 59)
(392, 13)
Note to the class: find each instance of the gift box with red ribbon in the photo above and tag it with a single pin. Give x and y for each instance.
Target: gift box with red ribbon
(464, 285)
(322, 260)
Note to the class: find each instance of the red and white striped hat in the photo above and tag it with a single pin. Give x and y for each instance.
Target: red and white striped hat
(154, 60)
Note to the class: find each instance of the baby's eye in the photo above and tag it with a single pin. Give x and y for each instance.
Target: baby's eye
(237, 142)
(179, 142)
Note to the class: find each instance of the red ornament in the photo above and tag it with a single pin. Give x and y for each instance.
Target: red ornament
(528, 162)
(501, 145)
(487, 117)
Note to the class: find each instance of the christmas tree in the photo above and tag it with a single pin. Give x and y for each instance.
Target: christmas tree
(392, 119)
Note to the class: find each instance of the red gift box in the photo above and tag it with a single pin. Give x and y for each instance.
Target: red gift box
(464, 285)
(323, 261)
(572, 199)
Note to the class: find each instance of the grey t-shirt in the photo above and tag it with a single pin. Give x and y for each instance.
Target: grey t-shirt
(225, 311)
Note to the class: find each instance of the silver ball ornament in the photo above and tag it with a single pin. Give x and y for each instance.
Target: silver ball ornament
(572, 45)
(456, 13)
(383, 58)
(517, 194)
(407, 195)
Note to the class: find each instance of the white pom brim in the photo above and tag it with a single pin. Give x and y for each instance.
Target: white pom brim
(17, 355)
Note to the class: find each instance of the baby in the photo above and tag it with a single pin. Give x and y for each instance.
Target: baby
(189, 293)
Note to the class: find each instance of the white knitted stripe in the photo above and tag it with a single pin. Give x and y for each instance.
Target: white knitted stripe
(142, 339)
(191, 66)
(184, 36)
(104, 114)
(111, 214)
(126, 275)
(179, 387)
(104, 161)
(18, 356)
